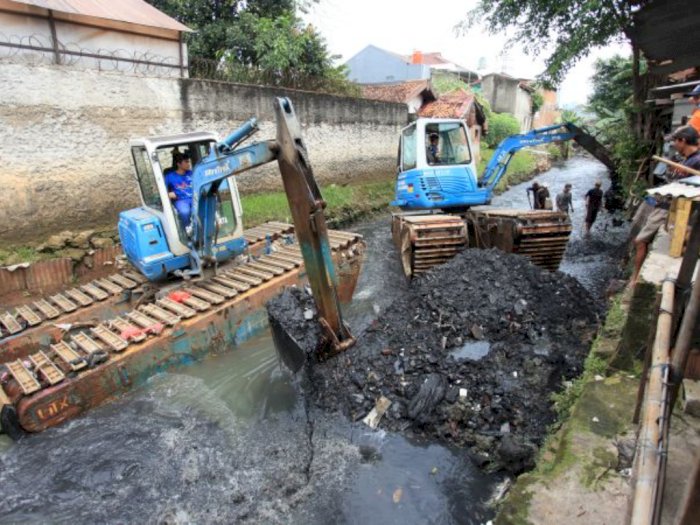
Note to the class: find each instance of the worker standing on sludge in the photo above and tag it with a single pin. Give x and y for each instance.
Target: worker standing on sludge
(594, 199)
(564, 202)
(179, 184)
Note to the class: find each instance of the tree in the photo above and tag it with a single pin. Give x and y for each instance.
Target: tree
(501, 125)
(261, 41)
(567, 30)
(612, 85)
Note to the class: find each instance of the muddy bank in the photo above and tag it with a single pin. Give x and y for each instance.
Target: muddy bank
(469, 355)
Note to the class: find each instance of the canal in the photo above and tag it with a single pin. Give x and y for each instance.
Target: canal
(230, 439)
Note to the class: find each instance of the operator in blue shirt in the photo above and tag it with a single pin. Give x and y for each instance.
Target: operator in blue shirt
(179, 185)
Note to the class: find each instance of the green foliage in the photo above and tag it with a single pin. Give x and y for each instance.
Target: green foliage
(444, 83)
(501, 125)
(612, 84)
(570, 115)
(565, 30)
(566, 399)
(257, 41)
(20, 254)
(537, 101)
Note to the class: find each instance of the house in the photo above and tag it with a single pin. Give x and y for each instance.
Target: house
(124, 35)
(413, 93)
(374, 65)
(548, 113)
(507, 94)
(463, 105)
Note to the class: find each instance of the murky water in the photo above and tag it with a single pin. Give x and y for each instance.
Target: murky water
(231, 440)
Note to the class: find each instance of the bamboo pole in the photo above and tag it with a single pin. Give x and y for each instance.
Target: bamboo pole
(683, 342)
(647, 458)
(676, 165)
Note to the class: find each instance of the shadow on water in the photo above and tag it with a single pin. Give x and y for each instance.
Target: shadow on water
(231, 440)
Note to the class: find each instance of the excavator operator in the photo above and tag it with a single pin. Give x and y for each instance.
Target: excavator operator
(433, 149)
(179, 184)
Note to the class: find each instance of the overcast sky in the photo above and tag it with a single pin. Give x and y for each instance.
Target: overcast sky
(403, 26)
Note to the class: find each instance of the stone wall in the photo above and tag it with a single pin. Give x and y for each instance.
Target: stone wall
(65, 147)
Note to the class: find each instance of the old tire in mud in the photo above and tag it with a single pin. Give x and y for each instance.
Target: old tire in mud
(9, 423)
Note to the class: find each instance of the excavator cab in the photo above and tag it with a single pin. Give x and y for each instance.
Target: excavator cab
(437, 167)
(154, 239)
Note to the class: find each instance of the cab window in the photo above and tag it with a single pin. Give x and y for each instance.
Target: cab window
(146, 178)
(452, 143)
(408, 155)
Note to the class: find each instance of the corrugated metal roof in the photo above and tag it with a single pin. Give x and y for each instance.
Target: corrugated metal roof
(130, 11)
(676, 189)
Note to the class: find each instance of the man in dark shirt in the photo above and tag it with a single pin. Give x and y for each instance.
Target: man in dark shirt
(685, 141)
(594, 199)
(540, 194)
(653, 213)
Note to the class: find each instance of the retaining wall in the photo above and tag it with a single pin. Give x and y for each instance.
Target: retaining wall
(65, 154)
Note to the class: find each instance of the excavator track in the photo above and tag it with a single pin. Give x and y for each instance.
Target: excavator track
(76, 354)
(118, 284)
(539, 235)
(424, 241)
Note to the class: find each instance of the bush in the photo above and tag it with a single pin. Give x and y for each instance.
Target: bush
(501, 125)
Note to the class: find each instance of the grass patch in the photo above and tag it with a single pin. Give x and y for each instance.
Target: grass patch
(342, 202)
(566, 399)
(21, 254)
(520, 169)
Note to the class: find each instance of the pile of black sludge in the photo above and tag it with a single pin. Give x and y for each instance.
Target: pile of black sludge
(470, 356)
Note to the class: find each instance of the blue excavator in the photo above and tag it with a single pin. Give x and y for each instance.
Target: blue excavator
(160, 246)
(445, 204)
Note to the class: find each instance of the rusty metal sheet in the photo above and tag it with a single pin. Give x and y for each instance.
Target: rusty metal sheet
(12, 281)
(49, 275)
(102, 263)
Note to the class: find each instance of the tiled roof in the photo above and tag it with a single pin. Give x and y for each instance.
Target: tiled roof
(452, 105)
(397, 92)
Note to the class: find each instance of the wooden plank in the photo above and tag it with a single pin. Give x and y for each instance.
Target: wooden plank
(208, 296)
(108, 337)
(85, 343)
(158, 313)
(127, 330)
(680, 226)
(219, 289)
(109, 286)
(44, 365)
(49, 311)
(28, 315)
(176, 308)
(64, 303)
(123, 281)
(10, 323)
(79, 297)
(95, 292)
(70, 357)
(26, 381)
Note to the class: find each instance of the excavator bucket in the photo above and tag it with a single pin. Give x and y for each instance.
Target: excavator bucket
(306, 205)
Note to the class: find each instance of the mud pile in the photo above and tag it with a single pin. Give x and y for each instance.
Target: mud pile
(470, 356)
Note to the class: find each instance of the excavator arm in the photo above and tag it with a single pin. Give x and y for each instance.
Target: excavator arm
(305, 203)
(498, 164)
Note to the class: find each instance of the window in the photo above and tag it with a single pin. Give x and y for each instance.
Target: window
(453, 144)
(147, 181)
(408, 157)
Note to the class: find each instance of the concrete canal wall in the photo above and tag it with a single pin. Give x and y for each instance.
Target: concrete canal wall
(65, 154)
